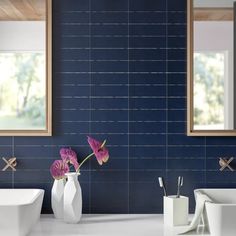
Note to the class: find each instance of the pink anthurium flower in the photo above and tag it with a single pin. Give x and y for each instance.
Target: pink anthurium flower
(58, 169)
(69, 156)
(99, 150)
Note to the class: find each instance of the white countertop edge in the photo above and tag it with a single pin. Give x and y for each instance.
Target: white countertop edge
(107, 225)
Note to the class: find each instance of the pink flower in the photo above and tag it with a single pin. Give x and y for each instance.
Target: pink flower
(58, 169)
(69, 156)
(99, 149)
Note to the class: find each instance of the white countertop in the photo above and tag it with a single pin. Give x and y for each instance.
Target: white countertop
(107, 225)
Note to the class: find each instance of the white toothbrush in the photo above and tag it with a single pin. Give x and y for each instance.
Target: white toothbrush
(162, 185)
(180, 184)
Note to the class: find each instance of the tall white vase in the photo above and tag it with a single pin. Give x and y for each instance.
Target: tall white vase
(57, 198)
(72, 199)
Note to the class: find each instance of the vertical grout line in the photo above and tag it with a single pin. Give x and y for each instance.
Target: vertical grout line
(13, 155)
(205, 167)
(90, 101)
(167, 90)
(128, 82)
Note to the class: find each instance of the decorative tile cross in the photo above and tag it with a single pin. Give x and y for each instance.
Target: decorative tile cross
(224, 162)
(10, 163)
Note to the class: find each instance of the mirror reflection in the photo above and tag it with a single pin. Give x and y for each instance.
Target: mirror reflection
(213, 65)
(23, 104)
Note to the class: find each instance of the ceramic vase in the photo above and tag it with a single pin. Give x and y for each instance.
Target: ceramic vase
(72, 199)
(57, 198)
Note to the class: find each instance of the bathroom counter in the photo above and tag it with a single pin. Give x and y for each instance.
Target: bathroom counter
(107, 225)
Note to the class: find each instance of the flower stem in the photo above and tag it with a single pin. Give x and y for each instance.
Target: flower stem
(85, 159)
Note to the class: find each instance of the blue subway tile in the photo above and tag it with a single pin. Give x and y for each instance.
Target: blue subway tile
(147, 115)
(186, 151)
(115, 176)
(109, 42)
(148, 103)
(147, 164)
(110, 103)
(183, 139)
(74, 17)
(146, 66)
(177, 17)
(147, 54)
(109, 17)
(145, 198)
(103, 193)
(154, 151)
(176, 115)
(147, 139)
(110, 115)
(81, 5)
(111, 66)
(149, 91)
(73, 42)
(220, 150)
(186, 164)
(147, 17)
(177, 91)
(74, 30)
(148, 30)
(78, 54)
(146, 42)
(177, 66)
(177, 5)
(145, 175)
(111, 30)
(109, 54)
(147, 127)
(177, 103)
(147, 5)
(107, 5)
(137, 79)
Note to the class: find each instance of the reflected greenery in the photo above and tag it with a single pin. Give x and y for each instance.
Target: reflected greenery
(209, 88)
(22, 90)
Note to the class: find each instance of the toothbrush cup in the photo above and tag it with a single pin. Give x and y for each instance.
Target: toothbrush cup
(175, 210)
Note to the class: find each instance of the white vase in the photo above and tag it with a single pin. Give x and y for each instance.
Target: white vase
(57, 195)
(72, 199)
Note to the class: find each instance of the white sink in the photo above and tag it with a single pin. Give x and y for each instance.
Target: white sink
(19, 210)
(221, 214)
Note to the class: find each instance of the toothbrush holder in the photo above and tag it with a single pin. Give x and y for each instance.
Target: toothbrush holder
(175, 210)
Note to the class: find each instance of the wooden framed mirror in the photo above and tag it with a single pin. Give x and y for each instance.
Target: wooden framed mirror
(211, 105)
(25, 68)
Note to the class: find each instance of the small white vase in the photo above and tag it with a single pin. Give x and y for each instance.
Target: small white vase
(57, 195)
(72, 199)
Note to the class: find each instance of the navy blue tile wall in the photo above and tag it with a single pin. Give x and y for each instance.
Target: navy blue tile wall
(119, 72)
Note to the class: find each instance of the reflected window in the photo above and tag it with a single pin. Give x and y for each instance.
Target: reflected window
(22, 85)
(210, 71)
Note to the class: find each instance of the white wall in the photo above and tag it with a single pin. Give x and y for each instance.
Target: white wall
(22, 36)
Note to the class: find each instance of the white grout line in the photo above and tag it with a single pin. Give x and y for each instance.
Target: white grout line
(167, 156)
(90, 100)
(13, 155)
(128, 83)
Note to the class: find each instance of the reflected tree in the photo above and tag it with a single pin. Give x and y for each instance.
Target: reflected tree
(209, 88)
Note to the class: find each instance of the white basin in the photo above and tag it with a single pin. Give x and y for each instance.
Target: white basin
(221, 214)
(19, 210)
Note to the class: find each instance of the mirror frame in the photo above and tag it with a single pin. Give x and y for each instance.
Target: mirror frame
(48, 97)
(190, 130)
